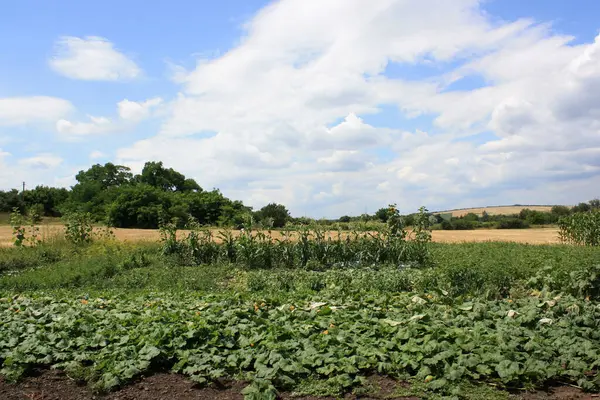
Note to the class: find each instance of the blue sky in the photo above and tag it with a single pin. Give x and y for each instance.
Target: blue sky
(329, 107)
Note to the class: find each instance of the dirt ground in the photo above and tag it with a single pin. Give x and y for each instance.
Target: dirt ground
(54, 385)
(531, 236)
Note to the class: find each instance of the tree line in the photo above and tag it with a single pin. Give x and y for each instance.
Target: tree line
(113, 194)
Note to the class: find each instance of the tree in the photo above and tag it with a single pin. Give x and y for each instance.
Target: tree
(107, 175)
(383, 214)
(344, 218)
(10, 200)
(560, 211)
(46, 200)
(581, 207)
(140, 206)
(277, 212)
(166, 179)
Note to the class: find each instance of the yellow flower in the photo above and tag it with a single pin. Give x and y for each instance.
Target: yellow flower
(84, 301)
(331, 326)
(325, 332)
(251, 344)
(510, 300)
(292, 308)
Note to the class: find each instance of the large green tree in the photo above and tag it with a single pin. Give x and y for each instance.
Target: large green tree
(166, 179)
(277, 212)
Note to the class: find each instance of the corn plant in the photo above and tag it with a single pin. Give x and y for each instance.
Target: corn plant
(581, 228)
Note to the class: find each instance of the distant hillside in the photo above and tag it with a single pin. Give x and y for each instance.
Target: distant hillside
(494, 210)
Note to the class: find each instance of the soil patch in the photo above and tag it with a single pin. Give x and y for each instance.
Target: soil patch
(55, 385)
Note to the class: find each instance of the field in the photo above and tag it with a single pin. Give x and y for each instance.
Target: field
(255, 316)
(531, 236)
(494, 210)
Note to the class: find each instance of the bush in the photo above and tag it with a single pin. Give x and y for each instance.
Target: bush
(463, 224)
(447, 225)
(78, 228)
(512, 223)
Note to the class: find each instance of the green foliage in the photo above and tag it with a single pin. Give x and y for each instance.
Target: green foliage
(18, 230)
(166, 179)
(581, 228)
(110, 340)
(560, 211)
(78, 228)
(277, 214)
(475, 316)
(23, 234)
(512, 223)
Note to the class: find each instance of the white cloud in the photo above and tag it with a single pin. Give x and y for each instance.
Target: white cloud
(96, 154)
(93, 59)
(73, 130)
(34, 109)
(137, 111)
(42, 161)
(130, 113)
(277, 118)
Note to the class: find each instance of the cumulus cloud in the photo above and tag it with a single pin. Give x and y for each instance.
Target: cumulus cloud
(92, 59)
(96, 125)
(42, 161)
(96, 154)
(281, 117)
(130, 113)
(137, 111)
(34, 109)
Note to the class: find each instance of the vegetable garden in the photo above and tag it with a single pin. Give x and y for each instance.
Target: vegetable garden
(311, 314)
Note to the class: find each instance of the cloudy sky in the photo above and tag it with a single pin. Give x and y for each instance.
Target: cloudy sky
(331, 107)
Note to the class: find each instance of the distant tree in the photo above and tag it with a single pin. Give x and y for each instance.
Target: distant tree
(46, 200)
(344, 218)
(594, 204)
(107, 175)
(581, 207)
(10, 200)
(485, 217)
(560, 211)
(471, 217)
(166, 179)
(383, 214)
(140, 206)
(277, 212)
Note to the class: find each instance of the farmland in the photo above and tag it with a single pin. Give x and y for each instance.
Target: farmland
(495, 210)
(531, 236)
(313, 313)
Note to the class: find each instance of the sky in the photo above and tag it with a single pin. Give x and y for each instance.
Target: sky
(330, 107)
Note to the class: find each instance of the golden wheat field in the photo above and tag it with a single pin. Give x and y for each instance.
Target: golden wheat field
(499, 210)
(531, 236)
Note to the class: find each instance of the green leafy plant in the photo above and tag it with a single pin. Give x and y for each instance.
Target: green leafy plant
(78, 228)
(582, 228)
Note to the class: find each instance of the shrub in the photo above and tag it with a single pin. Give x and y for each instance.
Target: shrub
(463, 224)
(78, 228)
(512, 223)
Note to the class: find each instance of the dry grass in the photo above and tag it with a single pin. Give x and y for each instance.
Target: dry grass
(532, 236)
(499, 210)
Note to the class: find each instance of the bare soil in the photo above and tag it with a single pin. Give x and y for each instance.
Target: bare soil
(55, 385)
